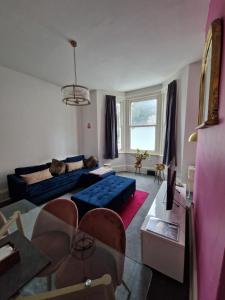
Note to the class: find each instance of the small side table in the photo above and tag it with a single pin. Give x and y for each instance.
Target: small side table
(190, 181)
(159, 172)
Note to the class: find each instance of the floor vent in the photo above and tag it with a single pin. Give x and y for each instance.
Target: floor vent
(151, 172)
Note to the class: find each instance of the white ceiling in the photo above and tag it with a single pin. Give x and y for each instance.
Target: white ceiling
(122, 44)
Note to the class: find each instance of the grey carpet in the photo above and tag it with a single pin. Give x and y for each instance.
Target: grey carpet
(147, 184)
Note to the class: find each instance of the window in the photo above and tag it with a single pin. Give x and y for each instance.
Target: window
(143, 125)
(119, 124)
(139, 124)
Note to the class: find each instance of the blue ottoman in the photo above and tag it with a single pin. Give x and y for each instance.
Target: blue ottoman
(111, 192)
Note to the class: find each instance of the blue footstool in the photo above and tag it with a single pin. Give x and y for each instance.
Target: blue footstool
(111, 192)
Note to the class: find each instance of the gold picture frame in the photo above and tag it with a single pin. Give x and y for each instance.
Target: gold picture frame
(210, 76)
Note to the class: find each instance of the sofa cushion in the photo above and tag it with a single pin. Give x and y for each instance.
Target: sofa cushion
(57, 167)
(75, 158)
(74, 165)
(30, 169)
(36, 176)
(53, 183)
(91, 162)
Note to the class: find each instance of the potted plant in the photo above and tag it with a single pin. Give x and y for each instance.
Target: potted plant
(140, 155)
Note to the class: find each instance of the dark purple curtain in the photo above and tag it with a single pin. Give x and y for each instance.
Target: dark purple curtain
(111, 147)
(170, 137)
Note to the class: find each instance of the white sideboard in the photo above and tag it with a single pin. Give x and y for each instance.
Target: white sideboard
(163, 254)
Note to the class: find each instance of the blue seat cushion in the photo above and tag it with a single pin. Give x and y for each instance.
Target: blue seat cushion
(70, 178)
(110, 192)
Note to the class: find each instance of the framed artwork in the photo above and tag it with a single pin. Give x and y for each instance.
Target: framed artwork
(210, 76)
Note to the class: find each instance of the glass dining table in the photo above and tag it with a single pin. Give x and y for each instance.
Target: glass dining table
(87, 260)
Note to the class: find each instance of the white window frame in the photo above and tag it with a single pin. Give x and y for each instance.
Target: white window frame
(158, 126)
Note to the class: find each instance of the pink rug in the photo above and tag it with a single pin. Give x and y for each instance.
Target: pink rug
(129, 210)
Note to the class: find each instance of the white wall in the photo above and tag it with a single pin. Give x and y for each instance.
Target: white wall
(182, 84)
(35, 126)
(191, 120)
(89, 136)
(187, 114)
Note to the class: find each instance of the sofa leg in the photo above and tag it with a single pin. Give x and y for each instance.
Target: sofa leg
(127, 288)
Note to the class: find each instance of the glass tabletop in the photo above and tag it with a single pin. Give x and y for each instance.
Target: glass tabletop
(86, 260)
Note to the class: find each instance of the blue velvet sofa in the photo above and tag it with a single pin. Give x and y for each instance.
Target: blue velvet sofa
(45, 190)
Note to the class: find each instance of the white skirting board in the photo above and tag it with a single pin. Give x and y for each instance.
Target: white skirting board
(130, 168)
(193, 289)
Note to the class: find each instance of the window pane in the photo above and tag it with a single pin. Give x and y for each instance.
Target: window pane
(144, 112)
(143, 138)
(118, 114)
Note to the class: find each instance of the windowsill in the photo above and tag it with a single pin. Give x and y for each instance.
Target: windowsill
(134, 152)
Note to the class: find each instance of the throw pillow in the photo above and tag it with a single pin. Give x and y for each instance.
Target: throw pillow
(91, 162)
(57, 167)
(36, 176)
(74, 165)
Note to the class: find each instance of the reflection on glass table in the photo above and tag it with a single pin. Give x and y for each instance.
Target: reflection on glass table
(87, 261)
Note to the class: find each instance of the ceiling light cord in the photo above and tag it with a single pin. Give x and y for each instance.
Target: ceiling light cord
(75, 65)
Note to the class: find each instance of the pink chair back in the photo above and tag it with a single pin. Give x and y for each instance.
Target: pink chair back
(57, 215)
(106, 226)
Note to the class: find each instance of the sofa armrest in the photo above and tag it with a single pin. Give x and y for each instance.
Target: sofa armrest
(17, 187)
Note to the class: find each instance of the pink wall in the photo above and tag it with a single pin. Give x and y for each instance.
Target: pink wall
(209, 195)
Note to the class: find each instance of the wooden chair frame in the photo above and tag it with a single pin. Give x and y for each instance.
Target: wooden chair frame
(16, 217)
(82, 290)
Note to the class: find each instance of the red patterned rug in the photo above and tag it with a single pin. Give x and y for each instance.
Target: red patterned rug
(129, 210)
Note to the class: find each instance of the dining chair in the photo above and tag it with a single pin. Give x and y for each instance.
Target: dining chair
(106, 226)
(98, 248)
(54, 230)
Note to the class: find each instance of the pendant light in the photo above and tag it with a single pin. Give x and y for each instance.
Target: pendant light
(74, 94)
